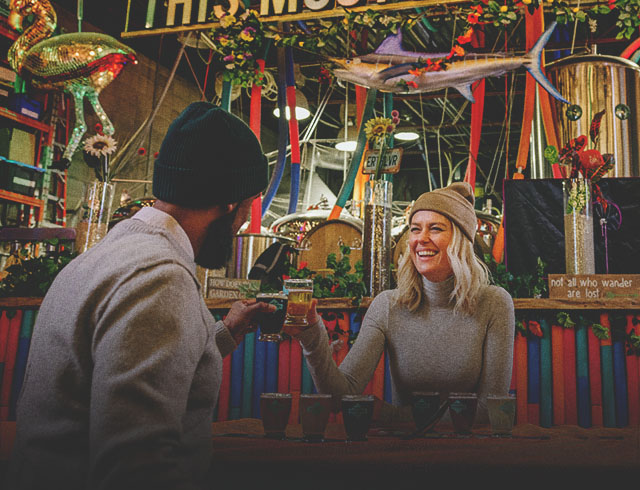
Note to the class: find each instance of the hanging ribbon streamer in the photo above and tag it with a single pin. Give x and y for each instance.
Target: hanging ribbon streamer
(533, 24)
(361, 178)
(629, 50)
(361, 97)
(388, 109)
(255, 112)
(548, 121)
(477, 113)
(283, 136)
(225, 98)
(354, 166)
(294, 135)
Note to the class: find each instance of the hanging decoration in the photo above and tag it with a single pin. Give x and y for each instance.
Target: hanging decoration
(391, 68)
(82, 64)
(283, 136)
(255, 113)
(237, 42)
(577, 162)
(347, 185)
(294, 135)
(502, 14)
(477, 112)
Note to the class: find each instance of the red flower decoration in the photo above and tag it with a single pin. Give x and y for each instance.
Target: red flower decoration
(412, 84)
(142, 151)
(302, 265)
(98, 127)
(535, 329)
(591, 159)
(155, 155)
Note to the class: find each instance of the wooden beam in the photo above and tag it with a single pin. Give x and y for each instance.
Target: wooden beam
(346, 304)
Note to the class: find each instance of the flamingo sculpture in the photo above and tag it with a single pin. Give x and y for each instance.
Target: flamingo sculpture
(81, 63)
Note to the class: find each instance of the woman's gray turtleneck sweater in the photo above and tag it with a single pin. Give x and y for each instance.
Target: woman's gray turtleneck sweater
(431, 349)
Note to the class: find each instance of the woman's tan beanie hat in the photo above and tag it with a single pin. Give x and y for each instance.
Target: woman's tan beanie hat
(455, 202)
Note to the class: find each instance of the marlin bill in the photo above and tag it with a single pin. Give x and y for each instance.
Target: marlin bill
(390, 68)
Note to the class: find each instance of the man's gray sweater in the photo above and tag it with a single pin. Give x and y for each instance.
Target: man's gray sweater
(123, 372)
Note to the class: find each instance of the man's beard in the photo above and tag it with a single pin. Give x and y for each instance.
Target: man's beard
(217, 247)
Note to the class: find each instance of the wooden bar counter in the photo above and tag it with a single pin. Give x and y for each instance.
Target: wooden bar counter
(244, 457)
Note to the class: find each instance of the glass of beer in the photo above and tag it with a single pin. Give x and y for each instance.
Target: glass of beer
(271, 323)
(299, 292)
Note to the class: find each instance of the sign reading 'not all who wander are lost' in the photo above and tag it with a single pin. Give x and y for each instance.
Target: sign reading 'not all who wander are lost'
(594, 286)
(185, 15)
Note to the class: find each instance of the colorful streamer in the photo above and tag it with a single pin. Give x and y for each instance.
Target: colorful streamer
(283, 137)
(347, 184)
(254, 122)
(361, 178)
(294, 135)
(477, 111)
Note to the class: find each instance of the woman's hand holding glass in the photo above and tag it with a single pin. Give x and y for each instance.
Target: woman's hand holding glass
(313, 317)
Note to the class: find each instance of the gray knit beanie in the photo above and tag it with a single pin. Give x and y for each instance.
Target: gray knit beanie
(455, 202)
(208, 156)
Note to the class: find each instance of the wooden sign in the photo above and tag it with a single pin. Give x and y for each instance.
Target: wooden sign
(224, 288)
(391, 161)
(594, 286)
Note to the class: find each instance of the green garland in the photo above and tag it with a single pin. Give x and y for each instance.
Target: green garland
(32, 277)
(240, 40)
(520, 286)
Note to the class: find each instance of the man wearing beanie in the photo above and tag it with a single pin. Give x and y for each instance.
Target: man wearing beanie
(126, 360)
(445, 329)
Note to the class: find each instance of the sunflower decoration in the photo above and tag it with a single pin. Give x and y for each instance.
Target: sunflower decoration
(96, 152)
(378, 129)
(100, 145)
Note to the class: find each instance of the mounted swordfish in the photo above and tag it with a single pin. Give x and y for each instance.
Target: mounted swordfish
(388, 68)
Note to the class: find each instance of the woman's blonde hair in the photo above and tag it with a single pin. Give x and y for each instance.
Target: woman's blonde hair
(469, 273)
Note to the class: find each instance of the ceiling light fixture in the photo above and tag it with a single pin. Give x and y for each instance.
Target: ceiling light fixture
(406, 136)
(346, 142)
(302, 108)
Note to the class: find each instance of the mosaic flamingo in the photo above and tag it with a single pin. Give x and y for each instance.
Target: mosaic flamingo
(81, 63)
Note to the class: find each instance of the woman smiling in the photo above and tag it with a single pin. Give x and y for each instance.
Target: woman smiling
(445, 328)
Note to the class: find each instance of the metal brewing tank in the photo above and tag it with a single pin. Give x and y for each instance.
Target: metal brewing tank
(594, 83)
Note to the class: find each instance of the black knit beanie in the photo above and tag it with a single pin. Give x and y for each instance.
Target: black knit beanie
(208, 156)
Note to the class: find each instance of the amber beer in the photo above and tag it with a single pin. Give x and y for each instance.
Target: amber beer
(300, 292)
